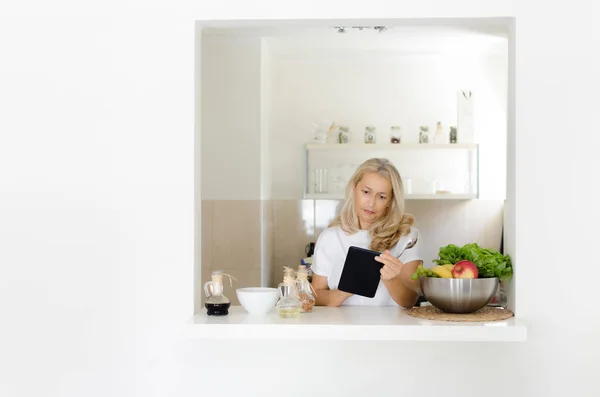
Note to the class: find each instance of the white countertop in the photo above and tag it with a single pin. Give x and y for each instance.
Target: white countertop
(350, 323)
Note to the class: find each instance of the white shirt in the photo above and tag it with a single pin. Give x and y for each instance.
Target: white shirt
(330, 254)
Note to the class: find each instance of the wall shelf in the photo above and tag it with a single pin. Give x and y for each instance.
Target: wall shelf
(425, 168)
(391, 146)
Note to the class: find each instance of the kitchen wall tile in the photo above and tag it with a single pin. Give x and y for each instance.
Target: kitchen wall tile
(294, 227)
(276, 232)
(243, 278)
(268, 224)
(201, 296)
(236, 226)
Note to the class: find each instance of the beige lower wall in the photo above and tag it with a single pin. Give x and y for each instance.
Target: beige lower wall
(253, 240)
(231, 241)
(268, 241)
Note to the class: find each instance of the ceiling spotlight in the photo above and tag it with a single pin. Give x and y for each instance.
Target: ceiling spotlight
(340, 29)
(380, 28)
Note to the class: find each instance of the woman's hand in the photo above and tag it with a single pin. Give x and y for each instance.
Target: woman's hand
(391, 265)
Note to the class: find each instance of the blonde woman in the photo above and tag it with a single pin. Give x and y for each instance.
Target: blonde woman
(372, 217)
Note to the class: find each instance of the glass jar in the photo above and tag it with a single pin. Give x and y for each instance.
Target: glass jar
(424, 134)
(343, 134)
(453, 135)
(305, 290)
(289, 305)
(370, 134)
(395, 136)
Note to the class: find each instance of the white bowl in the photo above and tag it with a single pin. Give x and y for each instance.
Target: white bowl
(257, 300)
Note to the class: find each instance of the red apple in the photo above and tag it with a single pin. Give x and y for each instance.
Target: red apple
(464, 269)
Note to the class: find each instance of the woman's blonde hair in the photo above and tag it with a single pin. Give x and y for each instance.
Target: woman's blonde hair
(394, 223)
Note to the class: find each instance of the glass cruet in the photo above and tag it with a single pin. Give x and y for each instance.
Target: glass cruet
(306, 293)
(216, 303)
(288, 305)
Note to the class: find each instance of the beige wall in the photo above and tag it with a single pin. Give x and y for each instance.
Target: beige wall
(231, 241)
(234, 240)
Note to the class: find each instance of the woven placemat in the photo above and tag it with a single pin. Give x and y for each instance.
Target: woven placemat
(486, 313)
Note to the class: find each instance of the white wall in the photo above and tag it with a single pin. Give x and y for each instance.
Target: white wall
(231, 118)
(365, 87)
(262, 101)
(97, 229)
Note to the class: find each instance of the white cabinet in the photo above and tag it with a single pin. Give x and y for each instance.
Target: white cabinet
(429, 171)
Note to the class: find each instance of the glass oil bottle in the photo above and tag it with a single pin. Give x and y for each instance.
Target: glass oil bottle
(288, 306)
(216, 303)
(305, 290)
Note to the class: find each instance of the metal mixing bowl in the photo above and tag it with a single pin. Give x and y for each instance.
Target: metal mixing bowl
(459, 295)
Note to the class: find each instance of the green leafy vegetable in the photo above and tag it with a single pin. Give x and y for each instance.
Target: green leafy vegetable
(489, 262)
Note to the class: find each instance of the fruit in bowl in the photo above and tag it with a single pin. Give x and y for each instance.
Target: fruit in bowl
(464, 269)
(465, 279)
(469, 261)
(442, 271)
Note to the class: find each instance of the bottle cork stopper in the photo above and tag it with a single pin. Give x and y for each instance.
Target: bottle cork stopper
(288, 275)
(217, 277)
(302, 273)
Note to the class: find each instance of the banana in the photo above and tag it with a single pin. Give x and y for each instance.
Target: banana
(442, 271)
(448, 266)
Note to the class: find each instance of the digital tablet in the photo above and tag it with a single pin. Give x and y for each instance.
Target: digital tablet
(361, 272)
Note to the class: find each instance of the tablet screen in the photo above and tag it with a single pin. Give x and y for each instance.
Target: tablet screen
(361, 272)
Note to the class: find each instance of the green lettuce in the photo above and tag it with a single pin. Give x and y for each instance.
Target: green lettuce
(490, 263)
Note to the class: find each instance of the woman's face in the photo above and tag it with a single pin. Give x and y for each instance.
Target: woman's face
(372, 195)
